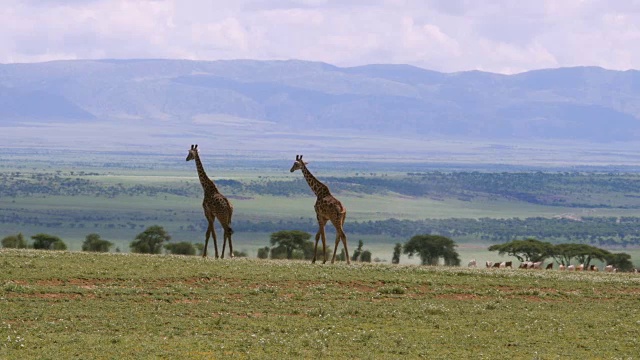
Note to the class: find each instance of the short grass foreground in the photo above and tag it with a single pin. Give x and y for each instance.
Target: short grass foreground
(64, 305)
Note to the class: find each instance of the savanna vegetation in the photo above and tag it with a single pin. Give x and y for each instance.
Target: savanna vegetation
(57, 304)
(30, 197)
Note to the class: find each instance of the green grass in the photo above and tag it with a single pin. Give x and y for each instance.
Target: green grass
(64, 305)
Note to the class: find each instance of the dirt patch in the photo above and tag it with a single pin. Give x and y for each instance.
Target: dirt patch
(460, 297)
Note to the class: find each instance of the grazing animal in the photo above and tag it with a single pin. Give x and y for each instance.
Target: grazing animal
(580, 267)
(593, 268)
(549, 266)
(508, 264)
(502, 265)
(524, 265)
(561, 267)
(472, 263)
(571, 267)
(489, 264)
(215, 205)
(537, 265)
(608, 268)
(328, 208)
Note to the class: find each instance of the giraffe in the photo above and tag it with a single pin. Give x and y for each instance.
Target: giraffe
(328, 208)
(215, 205)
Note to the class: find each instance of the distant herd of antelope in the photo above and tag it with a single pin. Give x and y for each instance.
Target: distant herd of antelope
(539, 265)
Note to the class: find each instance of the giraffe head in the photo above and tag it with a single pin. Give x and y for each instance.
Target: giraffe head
(192, 152)
(299, 164)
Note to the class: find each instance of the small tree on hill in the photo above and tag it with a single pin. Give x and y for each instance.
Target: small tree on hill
(14, 242)
(357, 252)
(431, 248)
(396, 254)
(288, 241)
(150, 240)
(48, 242)
(94, 243)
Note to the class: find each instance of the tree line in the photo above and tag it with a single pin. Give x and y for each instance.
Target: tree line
(602, 231)
(596, 190)
(296, 244)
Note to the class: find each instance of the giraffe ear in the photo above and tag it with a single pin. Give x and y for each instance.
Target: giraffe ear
(196, 148)
(191, 146)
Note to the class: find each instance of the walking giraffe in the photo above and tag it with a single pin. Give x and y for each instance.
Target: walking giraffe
(215, 206)
(328, 208)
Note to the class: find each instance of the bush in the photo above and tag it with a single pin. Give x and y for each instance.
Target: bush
(94, 243)
(14, 242)
(48, 242)
(237, 253)
(365, 256)
(181, 248)
(263, 253)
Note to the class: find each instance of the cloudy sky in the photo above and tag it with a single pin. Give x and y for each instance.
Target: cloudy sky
(505, 36)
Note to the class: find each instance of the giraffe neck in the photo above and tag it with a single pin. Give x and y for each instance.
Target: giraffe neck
(321, 190)
(207, 184)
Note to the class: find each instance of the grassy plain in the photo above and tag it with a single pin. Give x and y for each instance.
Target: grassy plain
(65, 304)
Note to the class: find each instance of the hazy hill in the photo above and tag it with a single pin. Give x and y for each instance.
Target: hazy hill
(585, 103)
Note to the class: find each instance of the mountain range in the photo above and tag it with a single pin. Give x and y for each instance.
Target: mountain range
(305, 98)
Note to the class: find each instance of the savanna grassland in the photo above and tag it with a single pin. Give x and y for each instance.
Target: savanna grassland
(79, 305)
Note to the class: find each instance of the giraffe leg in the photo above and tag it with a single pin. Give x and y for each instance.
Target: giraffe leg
(215, 240)
(324, 244)
(340, 235)
(229, 231)
(225, 236)
(315, 250)
(224, 221)
(206, 240)
(320, 234)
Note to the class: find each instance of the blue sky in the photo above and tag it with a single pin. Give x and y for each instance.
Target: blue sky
(506, 36)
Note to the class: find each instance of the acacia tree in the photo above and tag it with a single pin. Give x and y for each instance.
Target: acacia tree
(150, 240)
(48, 242)
(14, 242)
(94, 243)
(621, 261)
(564, 253)
(524, 250)
(286, 241)
(431, 248)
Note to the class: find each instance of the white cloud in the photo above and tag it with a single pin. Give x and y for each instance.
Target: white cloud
(445, 35)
